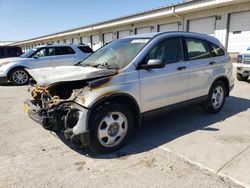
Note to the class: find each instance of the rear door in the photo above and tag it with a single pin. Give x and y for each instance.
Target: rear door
(201, 65)
(65, 55)
(44, 57)
(168, 85)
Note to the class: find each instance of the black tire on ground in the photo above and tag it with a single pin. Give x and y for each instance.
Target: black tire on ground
(97, 123)
(241, 78)
(209, 105)
(19, 77)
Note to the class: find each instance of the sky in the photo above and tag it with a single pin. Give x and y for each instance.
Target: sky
(26, 19)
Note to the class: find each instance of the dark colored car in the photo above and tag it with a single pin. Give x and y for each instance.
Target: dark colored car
(10, 51)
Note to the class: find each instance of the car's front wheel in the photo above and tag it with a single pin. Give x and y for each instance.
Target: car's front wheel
(19, 77)
(110, 126)
(216, 98)
(240, 77)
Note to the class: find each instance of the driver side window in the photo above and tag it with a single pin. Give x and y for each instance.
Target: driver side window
(43, 52)
(40, 53)
(169, 50)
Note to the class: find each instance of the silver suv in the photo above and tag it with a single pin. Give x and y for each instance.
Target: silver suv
(243, 65)
(99, 102)
(13, 69)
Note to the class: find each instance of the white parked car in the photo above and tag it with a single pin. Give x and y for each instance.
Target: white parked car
(243, 65)
(13, 69)
(99, 102)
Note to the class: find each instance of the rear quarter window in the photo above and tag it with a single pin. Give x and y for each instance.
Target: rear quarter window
(64, 50)
(85, 49)
(216, 50)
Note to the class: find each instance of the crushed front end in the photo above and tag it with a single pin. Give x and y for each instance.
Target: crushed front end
(54, 108)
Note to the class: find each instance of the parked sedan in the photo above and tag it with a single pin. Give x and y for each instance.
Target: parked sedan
(13, 69)
(243, 66)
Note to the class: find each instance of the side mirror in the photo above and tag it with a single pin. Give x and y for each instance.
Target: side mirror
(153, 64)
(35, 57)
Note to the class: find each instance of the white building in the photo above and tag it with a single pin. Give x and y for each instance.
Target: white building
(228, 20)
(4, 43)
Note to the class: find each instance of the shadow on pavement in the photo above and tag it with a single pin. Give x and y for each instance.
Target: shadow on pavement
(6, 84)
(168, 126)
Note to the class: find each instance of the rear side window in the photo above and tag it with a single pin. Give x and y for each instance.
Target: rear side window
(170, 50)
(1, 53)
(216, 50)
(64, 50)
(197, 49)
(85, 49)
(13, 52)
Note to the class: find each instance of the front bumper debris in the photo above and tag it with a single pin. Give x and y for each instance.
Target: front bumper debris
(66, 118)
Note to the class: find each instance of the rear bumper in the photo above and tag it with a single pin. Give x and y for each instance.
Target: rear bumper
(78, 135)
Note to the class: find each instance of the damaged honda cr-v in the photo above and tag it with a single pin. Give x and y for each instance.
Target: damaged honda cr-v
(99, 102)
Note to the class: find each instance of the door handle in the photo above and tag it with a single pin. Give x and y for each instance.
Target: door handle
(181, 68)
(212, 63)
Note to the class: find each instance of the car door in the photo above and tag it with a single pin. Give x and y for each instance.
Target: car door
(200, 62)
(164, 86)
(66, 56)
(44, 57)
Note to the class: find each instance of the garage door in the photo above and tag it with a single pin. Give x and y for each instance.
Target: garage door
(96, 42)
(143, 30)
(122, 34)
(68, 41)
(85, 40)
(107, 38)
(203, 25)
(239, 32)
(75, 40)
(169, 27)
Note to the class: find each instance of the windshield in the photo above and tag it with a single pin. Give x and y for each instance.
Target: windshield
(248, 49)
(117, 54)
(28, 53)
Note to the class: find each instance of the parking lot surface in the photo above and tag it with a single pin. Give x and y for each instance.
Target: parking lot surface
(181, 148)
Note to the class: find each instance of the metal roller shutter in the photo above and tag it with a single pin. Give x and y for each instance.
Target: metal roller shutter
(143, 30)
(169, 27)
(68, 41)
(122, 34)
(107, 38)
(203, 25)
(239, 32)
(96, 42)
(75, 40)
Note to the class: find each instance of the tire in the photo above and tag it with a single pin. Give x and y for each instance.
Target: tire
(216, 98)
(107, 132)
(242, 78)
(19, 77)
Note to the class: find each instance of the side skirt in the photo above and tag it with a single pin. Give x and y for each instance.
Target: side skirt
(154, 112)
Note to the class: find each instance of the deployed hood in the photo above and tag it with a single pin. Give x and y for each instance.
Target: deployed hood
(51, 75)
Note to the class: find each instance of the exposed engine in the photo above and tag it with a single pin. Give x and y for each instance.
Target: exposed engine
(53, 107)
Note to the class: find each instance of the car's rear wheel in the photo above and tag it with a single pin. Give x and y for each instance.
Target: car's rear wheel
(216, 98)
(19, 77)
(110, 126)
(240, 77)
